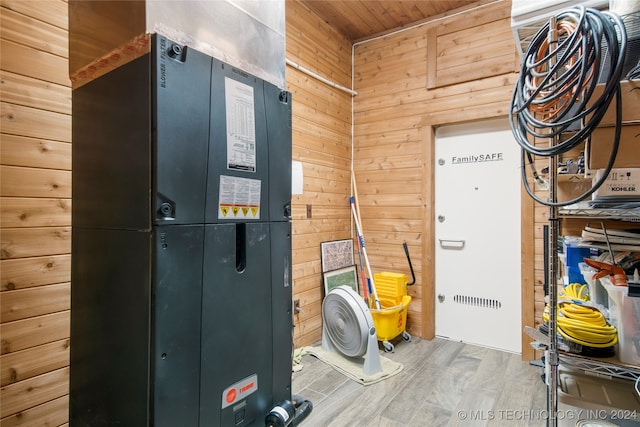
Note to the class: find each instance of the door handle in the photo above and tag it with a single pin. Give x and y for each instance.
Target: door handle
(451, 244)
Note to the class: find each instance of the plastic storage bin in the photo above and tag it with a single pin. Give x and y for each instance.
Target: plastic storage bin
(597, 399)
(597, 293)
(574, 255)
(624, 312)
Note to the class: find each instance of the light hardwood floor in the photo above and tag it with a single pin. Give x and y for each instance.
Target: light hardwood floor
(443, 383)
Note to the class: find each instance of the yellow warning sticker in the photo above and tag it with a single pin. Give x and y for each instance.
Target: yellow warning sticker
(239, 198)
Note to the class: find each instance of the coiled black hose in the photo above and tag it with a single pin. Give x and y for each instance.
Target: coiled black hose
(553, 96)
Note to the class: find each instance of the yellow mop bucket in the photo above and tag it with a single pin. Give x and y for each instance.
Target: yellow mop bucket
(390, 320)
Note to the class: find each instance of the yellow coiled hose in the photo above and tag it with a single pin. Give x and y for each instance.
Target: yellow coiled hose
(582, 324)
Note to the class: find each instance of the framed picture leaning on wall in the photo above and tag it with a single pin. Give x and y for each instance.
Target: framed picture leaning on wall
(336, 254)
(342, 276)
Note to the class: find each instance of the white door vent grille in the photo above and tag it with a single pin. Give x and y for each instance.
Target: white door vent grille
(477, 301)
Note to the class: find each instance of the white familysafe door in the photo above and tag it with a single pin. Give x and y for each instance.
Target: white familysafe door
(478, 251)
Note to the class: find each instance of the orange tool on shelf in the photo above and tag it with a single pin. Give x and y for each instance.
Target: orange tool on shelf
(616, 274)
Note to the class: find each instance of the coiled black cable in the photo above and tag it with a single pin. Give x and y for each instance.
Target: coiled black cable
(553, 96)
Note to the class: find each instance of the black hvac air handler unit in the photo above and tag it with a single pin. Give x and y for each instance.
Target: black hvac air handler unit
(181, 267)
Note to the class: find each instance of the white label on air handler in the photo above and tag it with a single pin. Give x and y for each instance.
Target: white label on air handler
(239, 198)
(239, 390)
(241, 126)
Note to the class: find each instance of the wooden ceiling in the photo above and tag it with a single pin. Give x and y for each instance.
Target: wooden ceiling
(361, 19)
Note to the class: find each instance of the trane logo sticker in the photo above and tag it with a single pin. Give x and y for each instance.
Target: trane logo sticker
(477, 158)
(239, 390)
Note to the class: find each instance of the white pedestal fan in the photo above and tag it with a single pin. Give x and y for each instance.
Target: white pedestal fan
(348, 328)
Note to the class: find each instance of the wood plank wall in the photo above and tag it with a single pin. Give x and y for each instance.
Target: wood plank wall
(404, 92)
(35, 213)
(409, 83)
(322, 142)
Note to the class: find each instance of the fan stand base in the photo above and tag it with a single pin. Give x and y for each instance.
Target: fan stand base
(371, 360)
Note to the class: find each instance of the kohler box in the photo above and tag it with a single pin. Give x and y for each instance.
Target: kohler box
(619, 183)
